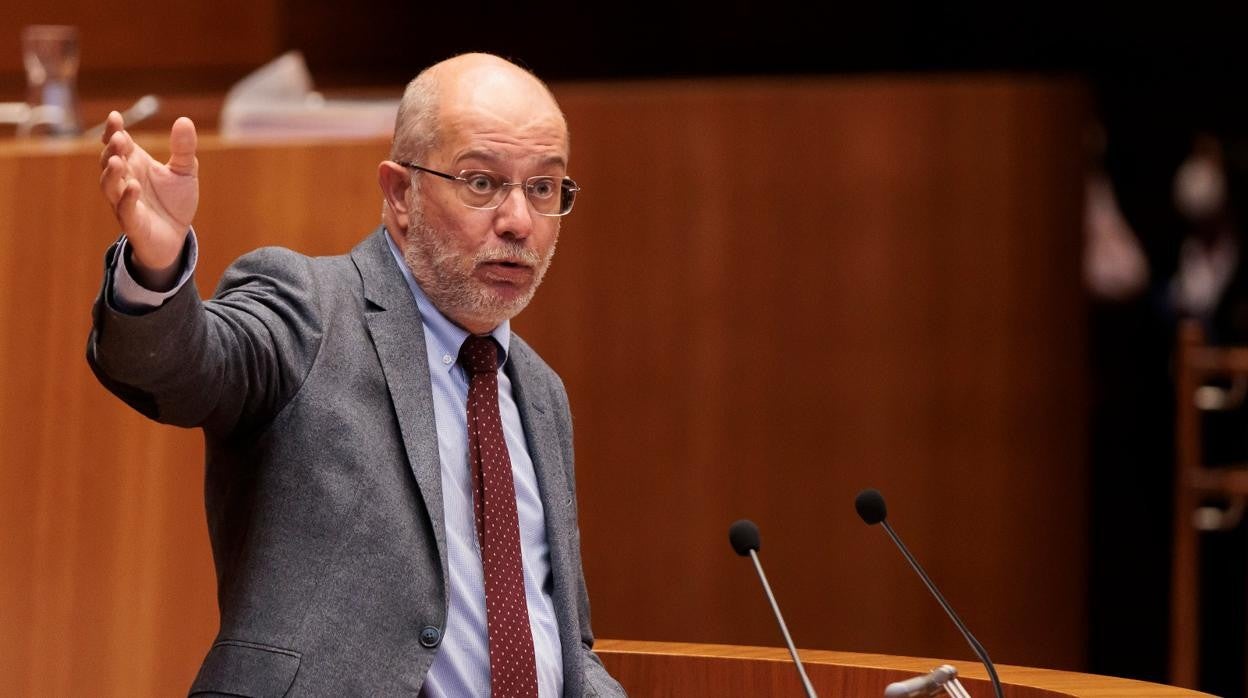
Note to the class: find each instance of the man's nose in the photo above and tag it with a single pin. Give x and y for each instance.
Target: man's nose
(514, 216)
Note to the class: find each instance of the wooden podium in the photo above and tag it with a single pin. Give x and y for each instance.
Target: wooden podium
(725, 671)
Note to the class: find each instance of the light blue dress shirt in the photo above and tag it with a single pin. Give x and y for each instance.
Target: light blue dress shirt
(461, 667)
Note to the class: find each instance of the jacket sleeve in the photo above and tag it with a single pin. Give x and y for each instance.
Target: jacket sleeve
(225, 364)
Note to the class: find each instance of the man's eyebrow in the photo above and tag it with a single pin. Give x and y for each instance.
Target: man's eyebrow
(556, 160)
(479, 154)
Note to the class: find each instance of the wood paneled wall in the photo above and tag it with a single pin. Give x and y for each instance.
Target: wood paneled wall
(771, 294)
(146, 35)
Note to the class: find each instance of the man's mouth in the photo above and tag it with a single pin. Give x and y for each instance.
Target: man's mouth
(506, 270)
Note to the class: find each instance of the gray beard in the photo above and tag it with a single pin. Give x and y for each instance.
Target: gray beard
(448, 281)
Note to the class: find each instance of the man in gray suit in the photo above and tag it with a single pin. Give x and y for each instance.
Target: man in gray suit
(343, 501)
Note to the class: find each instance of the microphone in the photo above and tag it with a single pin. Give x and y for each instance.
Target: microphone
(871, 507)
(744, 537)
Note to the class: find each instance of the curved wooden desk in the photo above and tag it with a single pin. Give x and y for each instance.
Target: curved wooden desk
(724, 671)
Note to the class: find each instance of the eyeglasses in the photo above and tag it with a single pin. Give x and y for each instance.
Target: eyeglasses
(486, 190)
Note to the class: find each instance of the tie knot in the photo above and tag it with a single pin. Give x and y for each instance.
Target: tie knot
(479, 355)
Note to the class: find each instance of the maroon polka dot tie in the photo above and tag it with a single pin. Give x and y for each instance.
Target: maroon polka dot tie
(513, 671)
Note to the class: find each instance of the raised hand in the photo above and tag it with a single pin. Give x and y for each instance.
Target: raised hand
(154, 203)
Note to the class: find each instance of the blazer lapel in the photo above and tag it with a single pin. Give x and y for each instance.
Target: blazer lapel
(394, 323)
(543, 439)
(542, 434)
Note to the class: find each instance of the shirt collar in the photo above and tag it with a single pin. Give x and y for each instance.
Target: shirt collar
(443, 338)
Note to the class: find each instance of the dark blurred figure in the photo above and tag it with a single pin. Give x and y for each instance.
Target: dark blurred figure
(1164, 243)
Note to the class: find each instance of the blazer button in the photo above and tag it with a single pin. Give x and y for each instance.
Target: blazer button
(430, 636)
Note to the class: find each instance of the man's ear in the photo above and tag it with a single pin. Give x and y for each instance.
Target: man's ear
(395, 180)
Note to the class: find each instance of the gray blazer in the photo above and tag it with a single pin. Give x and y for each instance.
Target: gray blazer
(322, 483)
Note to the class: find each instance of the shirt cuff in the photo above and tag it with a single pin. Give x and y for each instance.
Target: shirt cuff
(132, 298)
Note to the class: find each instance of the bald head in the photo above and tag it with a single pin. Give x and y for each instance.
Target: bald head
(478, 84)
(479, 264)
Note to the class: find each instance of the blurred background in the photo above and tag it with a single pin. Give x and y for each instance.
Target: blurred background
(939, 249)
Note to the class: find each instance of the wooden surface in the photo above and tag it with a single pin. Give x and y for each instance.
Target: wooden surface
(774, 295)
(692, 670)
(106, 579)
(771, 295)
(123, 34)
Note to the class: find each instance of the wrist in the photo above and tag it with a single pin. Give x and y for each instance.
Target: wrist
(155, 276)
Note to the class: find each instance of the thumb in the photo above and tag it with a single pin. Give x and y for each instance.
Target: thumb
(182, 142)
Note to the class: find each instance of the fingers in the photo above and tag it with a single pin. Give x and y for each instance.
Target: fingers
(112, 124)
(127, 207)
(113, 180)
(124, 193)
(119, 143)
(114, 160)
(120, 189)
(182, 144)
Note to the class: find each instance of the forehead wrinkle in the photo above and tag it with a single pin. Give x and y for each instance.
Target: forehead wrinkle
(528, 116)
(475, 123)
(486, 153)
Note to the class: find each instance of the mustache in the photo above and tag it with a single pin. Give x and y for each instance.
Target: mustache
(509, 251)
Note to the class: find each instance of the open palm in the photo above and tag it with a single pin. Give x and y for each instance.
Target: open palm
(153, 202)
